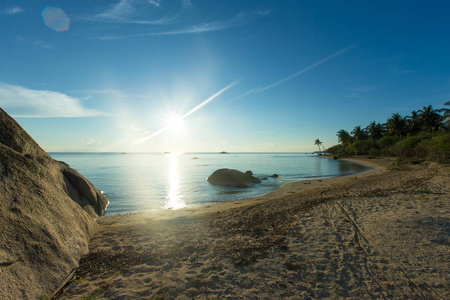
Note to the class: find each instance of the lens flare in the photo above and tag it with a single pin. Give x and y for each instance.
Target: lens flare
(55, 18)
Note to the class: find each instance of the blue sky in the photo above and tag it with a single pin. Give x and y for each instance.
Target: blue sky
(235, 75)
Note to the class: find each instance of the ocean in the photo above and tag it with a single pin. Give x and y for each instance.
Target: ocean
(136, 182)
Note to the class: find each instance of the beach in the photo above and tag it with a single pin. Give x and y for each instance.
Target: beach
(383, 233)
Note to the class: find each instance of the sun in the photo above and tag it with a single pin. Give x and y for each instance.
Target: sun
(174, 123)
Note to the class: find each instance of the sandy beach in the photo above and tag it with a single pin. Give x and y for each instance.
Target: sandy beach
(383, 233)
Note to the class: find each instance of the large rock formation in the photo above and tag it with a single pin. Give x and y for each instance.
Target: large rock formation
(48, 214)
(232, 178)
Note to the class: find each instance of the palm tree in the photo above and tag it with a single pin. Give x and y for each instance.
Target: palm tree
(414, 123)
(358, 133)
(396, 125)
(375, 131)
(431, 120)
(344, 137)
(445, 115)
(318, 143)
(446, 111)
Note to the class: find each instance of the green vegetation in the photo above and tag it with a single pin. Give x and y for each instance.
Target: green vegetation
(319, 143)
(425, 134)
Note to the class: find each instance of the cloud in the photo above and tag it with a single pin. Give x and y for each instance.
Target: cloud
(132, 12)
(360, 90)
(12, 10)
(35, 43)
(156, 3)
(236, 21)
(23, 102)
(108, 92)
(91, 142)
(134, 128)
(187, 3)
(265, 132)
(127, 12)
(118, 11)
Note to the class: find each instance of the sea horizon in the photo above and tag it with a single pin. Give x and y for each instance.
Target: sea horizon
(183, 152)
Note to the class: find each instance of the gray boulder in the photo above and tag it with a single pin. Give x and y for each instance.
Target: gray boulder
(232, 178)
(48, 214)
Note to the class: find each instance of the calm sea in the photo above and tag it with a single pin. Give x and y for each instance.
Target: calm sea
(155, 181)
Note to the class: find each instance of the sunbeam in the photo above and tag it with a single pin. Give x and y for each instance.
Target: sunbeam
(148, 137)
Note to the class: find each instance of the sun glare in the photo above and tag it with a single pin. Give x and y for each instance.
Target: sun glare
(174, 123)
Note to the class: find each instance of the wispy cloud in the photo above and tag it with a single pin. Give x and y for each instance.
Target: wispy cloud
(152, 12)
(156, 3)
(134, 128)
(239, 20)
(92, 142)
(118, 11)
(130, 12)
(360, 90)
(23, 102)
(305, 70)
(265, 132)
(116, 93)
(187, 3)
(34, 42)
(403, 71)
(11, 10)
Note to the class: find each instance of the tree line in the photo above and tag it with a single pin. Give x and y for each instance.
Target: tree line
(425, 133)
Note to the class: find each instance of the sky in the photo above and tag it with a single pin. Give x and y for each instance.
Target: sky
(210, 76)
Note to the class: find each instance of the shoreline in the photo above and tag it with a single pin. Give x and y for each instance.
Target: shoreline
(381, 233)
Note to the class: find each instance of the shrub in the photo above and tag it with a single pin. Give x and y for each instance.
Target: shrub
(406, 147)
(375, 152)
(334, 149)
(361, 147)
(437, 148)
(386, 142)
(432, 146)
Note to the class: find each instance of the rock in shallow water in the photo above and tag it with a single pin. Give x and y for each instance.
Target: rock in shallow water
(232, 178)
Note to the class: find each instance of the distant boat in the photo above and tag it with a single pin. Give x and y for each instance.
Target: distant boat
(223, 152)
(123, 153)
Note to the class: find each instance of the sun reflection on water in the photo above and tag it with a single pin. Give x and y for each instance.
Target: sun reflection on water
(174, 198)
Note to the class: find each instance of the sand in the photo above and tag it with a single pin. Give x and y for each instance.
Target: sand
(383, 233)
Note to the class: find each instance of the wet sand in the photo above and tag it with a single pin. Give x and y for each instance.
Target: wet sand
(383, 233)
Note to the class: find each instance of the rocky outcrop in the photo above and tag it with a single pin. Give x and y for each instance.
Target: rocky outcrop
(83, 192)
(47, 215)
(14, 137)
(232, 178)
